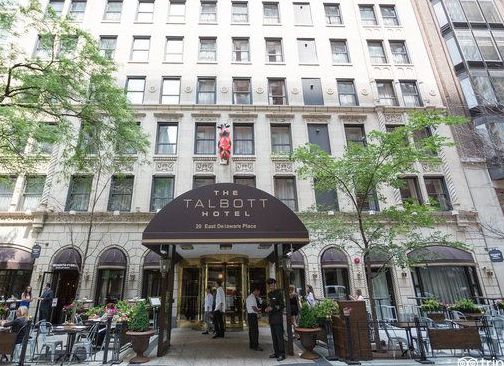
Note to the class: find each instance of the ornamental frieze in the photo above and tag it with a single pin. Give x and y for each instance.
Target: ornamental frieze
(244, 166)
(393, 118)
(204, 166)
(316, 117)
(284, 167)
(352, 118)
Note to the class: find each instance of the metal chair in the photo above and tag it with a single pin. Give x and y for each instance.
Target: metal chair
(389, 313)
(29, 348)
(87, 342)
(393, 339)
(457, 315)
(47, 340)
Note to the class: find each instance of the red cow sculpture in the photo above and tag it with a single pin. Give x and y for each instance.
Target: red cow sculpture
(224, 143)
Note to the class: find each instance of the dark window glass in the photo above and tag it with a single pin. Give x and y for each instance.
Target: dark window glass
(205, 139)
(346, 93)
(285, 191)
(32, 193)
(79, 193)
(277, 94)
(438, 193)
(6, 191)
(166, 139)
(242, 91)
(355, 134)
(281, 139)
(162, 192)
(243, 140)
(410, 191)
(206, 91)
(202, 181)
(121, 192)
(110, 286)
(318, 134)
(312, 92)
(246, 181)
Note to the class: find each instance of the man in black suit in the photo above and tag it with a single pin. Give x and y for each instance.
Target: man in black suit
(46, 302)
(275, 307)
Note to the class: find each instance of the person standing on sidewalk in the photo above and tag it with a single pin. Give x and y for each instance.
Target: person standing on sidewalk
(275, 307)
(220, 308)
(253, 304)
(207, 308)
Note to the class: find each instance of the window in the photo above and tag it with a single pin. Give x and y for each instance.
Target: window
(46, 146)
(208, 12)
(285, 191)
(202, 181)
(499, 40)
(472, 10)
(489, 11)
(206, 91)
(377, 52)
(145, 12)
(368, 202)
(483, 89)
(486, 46)
(318, 134)
(468, 46)
(271, 13)
(176, 12)
(326, 200)
(339, 52)
(68, 45)
(32, 193)
(110, 285)
(346, 93)
(281, 139)
(302, 14)
(241, 50)
(162, 192)
(411, 96)
(45, 46)
(140, 49)
(453, 49)
(166, 143)
(354, 134)
(410, 191)
(386, 92)
(174, 50)
(367, 15)
(56, 6)
(108, 46)
(77, 10)
(170, 93)
(276, 92)
(455, 11)
(312, 92)
(389, 15)
(113, 10)
(399, 52)
(121, 192)
(208, 49)
(79, 193)
(274, 50)
(333, 14)
(498, 83)
(243, 139)
(205, 139)
(245, 181)
(239, 12)
(242, 91)
(440, 13)
(438, 193)
(307, 51)
(468, 91)
(7, 185)
(135, 87)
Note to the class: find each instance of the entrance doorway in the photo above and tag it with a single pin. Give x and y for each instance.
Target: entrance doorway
(66, 288)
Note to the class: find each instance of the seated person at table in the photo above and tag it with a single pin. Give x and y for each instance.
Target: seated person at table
(17, 324)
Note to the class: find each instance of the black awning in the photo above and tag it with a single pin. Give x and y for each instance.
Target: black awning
(333, 257)
(13, 258)
(441, 254)
(112, 257)
(67, 259)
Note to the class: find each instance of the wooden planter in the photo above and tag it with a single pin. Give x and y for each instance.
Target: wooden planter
(437, 317)
(473, 316)
(139, 343)
(308, 340)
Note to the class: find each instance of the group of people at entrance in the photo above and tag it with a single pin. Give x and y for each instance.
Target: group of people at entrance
(215, 306)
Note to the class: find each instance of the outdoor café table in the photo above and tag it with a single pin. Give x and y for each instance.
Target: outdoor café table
(407, 326)
(71, 331)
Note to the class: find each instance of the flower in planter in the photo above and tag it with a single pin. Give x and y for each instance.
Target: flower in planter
(432, 305)
(466, 306)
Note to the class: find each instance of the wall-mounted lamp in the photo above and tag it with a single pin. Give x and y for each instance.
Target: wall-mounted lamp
(404, 274)
(164, 265)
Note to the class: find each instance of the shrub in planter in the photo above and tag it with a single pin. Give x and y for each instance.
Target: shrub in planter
(307, 330)
(326, 309)
(138, 331)
(433, 309)
(468, 308)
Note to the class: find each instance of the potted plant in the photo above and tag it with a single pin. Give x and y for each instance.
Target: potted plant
(468, 308)
(434, 310)
(139, 332)
(307, 330)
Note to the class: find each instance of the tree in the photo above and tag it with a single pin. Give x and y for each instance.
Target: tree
(65, 95)
(360, 175)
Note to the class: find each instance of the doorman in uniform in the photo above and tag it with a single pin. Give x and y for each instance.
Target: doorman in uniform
(46, 302)
(220, 308)
(253, 303)
(275, 307)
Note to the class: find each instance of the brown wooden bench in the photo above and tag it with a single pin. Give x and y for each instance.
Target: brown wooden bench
(456, 338)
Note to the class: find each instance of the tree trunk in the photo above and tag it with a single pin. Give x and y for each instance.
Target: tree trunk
(372, 303)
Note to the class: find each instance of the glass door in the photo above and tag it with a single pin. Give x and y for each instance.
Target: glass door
(234, 296)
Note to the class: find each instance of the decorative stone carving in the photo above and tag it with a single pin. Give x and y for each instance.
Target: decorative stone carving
(244, 166)
(224, 90)
(165, 166)
(393, 118)
(152, 89)
(364, 92)
(352, 118)
(284, 167)
(188, 89)
(330, 91)
(316, 117)
(259, 90)
(204, 166)
(295, 91)
(279, 118)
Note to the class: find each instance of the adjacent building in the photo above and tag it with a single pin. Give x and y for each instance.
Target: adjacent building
(281, 74)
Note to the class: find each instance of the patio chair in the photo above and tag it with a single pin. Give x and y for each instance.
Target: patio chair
(87, 342)
(394, 340)
(29, 347)
(457, 315)
(46, 340)
(494, 337)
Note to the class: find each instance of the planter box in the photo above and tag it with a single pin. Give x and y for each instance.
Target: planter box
(358, 332)
(462, 338)
(437, 317)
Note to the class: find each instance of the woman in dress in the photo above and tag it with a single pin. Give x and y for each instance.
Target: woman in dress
(310, 296)
(294, 305)
(26, 297)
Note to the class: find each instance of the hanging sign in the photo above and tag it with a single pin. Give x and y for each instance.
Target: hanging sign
(495, 255)
(36, 249)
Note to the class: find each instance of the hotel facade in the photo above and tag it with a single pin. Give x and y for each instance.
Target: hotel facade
(281, 74)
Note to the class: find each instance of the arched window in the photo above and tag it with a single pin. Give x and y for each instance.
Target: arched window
(297, 276)
(111, 272)
(151, 279)
(15, 271)
(334, 264)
